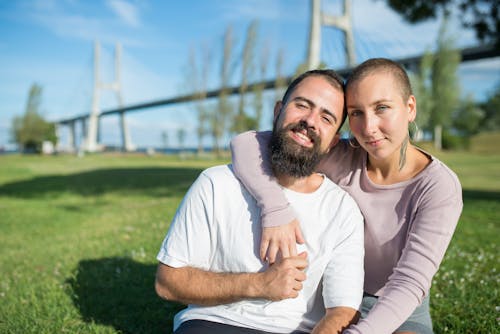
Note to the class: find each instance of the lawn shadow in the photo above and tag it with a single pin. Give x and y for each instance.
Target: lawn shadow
(486, 195)
(155, 181)
(119, 292)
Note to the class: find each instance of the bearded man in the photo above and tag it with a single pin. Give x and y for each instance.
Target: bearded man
(210, 257)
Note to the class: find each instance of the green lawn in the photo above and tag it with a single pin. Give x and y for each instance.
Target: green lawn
(79, 237)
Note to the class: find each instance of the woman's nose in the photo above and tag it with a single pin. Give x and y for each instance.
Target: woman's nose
(370, 124)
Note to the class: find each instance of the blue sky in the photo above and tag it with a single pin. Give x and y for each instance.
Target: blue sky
(50, 42)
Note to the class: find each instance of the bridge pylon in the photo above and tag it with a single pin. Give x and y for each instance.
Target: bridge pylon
(90, 144)
(343, 22)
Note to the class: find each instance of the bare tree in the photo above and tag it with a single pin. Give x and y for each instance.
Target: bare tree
(220, 116)
(280, 81)
(258, 90)
(242, 120)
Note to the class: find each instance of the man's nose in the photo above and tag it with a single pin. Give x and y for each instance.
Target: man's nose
(311, 119)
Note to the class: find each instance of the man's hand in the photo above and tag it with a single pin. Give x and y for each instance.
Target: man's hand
(281, 239)
(284, 278)
(336, 320)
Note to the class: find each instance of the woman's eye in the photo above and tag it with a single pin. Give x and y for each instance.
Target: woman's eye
(354, 113)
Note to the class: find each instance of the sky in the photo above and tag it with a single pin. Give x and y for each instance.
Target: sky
(50, 42)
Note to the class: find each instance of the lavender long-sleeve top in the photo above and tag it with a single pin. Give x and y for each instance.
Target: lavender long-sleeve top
(408, 225)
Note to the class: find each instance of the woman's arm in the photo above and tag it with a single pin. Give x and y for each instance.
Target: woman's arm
(432, 228)
(252, 167)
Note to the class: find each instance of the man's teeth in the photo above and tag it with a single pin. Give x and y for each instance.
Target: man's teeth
(303, 136)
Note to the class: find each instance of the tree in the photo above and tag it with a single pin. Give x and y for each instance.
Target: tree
(468, 117)
(445, 87)
(164, 139)
(31, 130)
(481, 15)
(242, 121)
(491, 108)
(258, 90)
(220, 116)
(422, 89)
(181, 137)
(197, 80)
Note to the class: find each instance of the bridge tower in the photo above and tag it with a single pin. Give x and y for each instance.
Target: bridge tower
(343, 23)
(90, 143)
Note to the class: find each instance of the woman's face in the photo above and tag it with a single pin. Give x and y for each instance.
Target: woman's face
(378, 115)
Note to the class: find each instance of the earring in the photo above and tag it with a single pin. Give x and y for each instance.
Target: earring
(352, 141)
(413, 133)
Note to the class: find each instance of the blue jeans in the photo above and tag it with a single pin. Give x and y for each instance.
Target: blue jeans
(419, 321)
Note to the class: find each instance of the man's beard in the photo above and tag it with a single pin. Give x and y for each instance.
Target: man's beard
(290, 158)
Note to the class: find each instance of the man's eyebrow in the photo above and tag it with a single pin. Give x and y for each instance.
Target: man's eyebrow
(312, 105)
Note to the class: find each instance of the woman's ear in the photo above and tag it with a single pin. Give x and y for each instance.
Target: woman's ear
(412, 108)
(334, 142)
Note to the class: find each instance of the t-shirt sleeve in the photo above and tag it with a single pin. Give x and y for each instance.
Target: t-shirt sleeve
(252, 167)
(432, 229)
(188, 239)
(344, 275)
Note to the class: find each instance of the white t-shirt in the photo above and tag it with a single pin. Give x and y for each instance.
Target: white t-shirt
(217, 228)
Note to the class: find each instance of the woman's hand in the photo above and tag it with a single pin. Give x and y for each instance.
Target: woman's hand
(281, 239)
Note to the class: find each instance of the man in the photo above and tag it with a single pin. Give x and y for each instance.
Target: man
(210, 256)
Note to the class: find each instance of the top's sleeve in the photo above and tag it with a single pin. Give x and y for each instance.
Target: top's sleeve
(188, 241)
(252, 167)
(432, 229)
(344, 275)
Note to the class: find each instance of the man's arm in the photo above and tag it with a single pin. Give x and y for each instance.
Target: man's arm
(336, 320)
(190, 285)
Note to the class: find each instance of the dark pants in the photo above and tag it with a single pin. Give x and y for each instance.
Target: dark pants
(209, 327)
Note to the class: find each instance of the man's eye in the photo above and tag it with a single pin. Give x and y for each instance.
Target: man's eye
(382, 107)
(301, 106)
(327, 119)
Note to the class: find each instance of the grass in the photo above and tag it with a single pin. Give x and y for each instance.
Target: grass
(79, 237)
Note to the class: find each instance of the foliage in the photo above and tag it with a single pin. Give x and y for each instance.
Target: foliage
(491, 108)
(421, 83)
(31, 130)
(468, 117)
(445, 85)
(481, 15)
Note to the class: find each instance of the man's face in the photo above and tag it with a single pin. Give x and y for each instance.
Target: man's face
(306, 126)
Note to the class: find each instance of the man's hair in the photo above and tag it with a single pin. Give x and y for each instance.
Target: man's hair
(381, 65)
(330, 75)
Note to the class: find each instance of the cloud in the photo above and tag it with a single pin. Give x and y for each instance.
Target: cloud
(72, 20)
(125, 11)
(262, 10)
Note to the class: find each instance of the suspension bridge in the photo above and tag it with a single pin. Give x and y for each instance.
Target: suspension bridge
(90, 121)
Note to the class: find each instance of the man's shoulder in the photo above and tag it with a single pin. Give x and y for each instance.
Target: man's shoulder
(341, 195)
(220, 176)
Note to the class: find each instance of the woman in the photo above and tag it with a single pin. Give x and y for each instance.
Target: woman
(410, 200)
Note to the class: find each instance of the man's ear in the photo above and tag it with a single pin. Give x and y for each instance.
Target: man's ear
(334, 142)
(277, 110)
